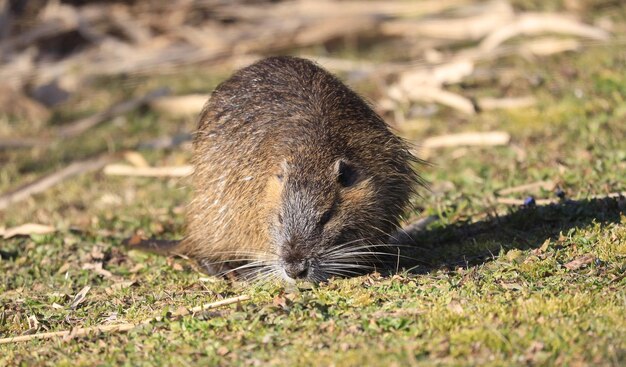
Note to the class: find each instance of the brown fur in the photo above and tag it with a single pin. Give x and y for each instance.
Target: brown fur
(278, 145)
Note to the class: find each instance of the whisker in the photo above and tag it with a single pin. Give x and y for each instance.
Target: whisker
(254, 264)
(348, 265)
(262, 276)
(343, 245)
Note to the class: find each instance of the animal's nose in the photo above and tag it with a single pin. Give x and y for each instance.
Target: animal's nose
(297, 269)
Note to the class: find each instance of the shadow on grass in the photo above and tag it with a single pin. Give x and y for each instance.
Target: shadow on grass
(468, 244)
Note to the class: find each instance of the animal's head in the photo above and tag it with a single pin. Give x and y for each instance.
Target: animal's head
(334, 214)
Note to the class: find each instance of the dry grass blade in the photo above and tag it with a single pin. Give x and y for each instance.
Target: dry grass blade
(79, 332)
(75, 332)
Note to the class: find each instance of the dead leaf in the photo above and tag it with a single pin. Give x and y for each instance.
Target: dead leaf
(33, 322)
(174, 264)
(544, 246)
(80, 297)
(281, 301)
(580, 262)
(96, 253)
(65, 267)
(27, 230)
(97, 268)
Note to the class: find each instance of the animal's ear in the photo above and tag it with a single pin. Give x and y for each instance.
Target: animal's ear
(283, 169)
(346, 173)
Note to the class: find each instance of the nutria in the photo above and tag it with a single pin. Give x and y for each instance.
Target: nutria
(295, 176)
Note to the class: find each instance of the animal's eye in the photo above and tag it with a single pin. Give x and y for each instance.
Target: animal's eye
(346, 173)
(279, 177)
(326, 217)
(280, 218)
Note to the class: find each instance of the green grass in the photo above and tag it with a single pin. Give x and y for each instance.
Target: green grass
(495, 285)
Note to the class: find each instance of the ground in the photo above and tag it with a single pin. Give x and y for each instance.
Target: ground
(496, 284)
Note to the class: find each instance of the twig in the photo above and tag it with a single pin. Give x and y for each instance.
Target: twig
(75, 332)
(208, 306)
(468, 139)
(26, 229)
(78, 127)
(126, 170)
(52, 179)
(547, 46)
(482, 20)
(121, 327)
(427, 93)
(535, 23)
(546, 185)
(325, 9)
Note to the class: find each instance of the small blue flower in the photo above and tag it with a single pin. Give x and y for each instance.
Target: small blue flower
(530, 201)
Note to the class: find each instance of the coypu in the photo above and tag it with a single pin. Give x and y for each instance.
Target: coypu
(295, 176)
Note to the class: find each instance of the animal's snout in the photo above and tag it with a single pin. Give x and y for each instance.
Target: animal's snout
(297, 269)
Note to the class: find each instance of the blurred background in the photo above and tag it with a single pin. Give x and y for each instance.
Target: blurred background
(493, 93)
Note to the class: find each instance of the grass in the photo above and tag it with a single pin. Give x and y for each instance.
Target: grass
(498, 285)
